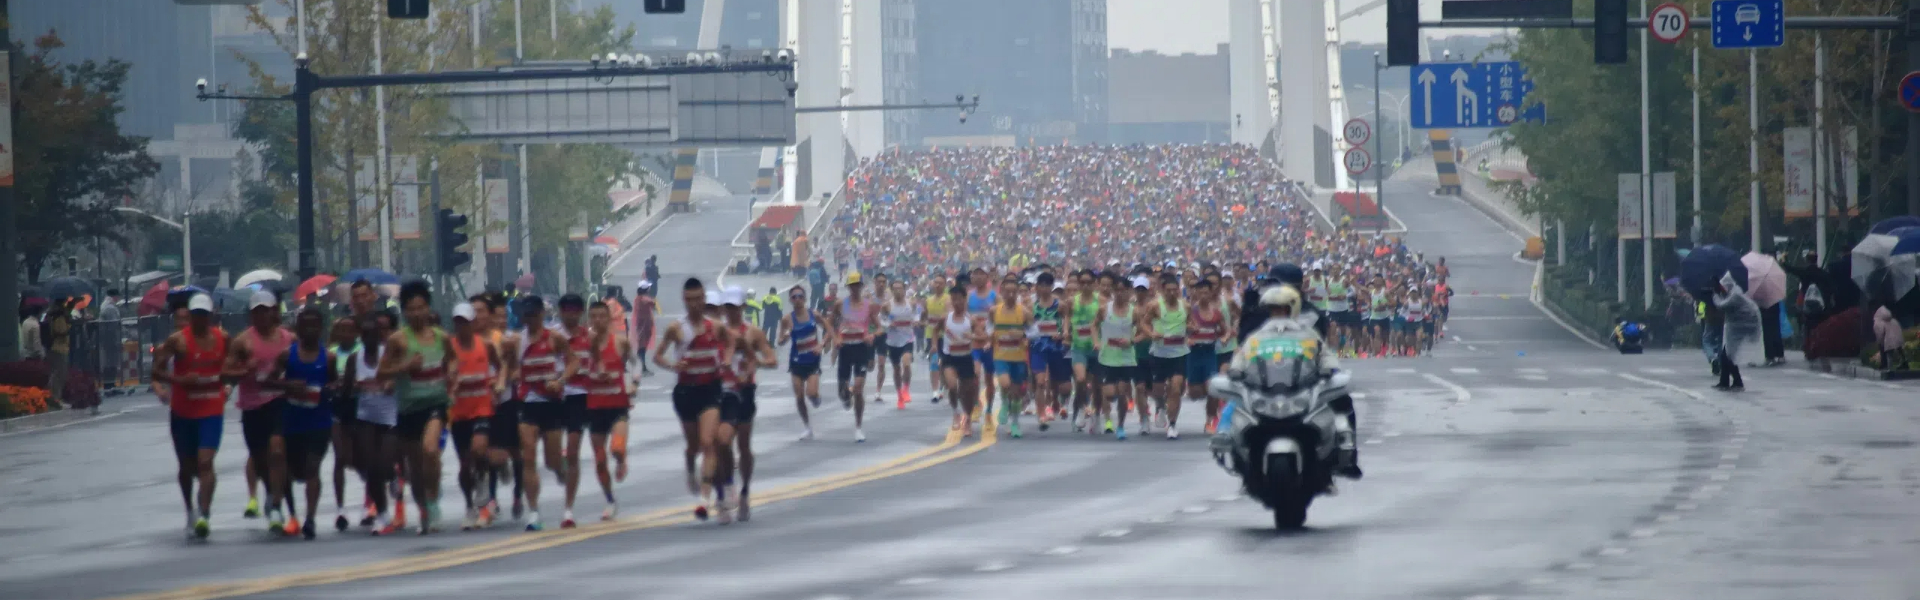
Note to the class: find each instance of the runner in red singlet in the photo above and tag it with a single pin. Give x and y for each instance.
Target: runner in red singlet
(692, 348)
(189, 364)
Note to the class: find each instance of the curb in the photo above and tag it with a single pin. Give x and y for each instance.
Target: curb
(1506, 220)
(1854, 370)
(48, 420)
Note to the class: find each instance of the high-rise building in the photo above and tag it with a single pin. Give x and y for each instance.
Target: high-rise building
(1039, 66)
(900, 70)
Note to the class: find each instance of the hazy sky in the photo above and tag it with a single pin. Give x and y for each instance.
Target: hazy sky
(1176, 26)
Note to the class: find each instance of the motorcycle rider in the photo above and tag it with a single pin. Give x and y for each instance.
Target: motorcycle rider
(1278, 312)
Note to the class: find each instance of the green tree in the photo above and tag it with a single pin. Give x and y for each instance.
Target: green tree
(73, 162)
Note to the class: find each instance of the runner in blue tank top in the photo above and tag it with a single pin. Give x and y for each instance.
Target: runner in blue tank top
(980, 299)
(307, 422)
(803, 359)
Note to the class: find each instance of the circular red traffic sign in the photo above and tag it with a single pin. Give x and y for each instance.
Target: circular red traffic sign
(1910, 91)
(1357, 160)
(1357, 131)
(1669, 22)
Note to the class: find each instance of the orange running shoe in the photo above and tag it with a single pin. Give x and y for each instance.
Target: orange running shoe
(293, 526)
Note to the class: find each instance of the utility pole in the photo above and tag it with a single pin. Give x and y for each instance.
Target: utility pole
(1753, 149)
(1913, 119)
(383, 172)
(9, 251)
(1646, 174)
(1379, 147)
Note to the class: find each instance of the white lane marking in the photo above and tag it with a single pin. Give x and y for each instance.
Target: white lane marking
(1579, 566)
(1060, 550)
(1726, 466)
(1657, 370)
(1359, 395)
(1460, 394)
(1473, 347)
(993, 567)
(1227, 498)
(1371, 442)
(1484, 597)
(1815, 391)
(1685, 506)
(1667, 518)
(1590, 371)
(1720, 477)
(1391, 434)
(1455, 338)
(1194, 510)
(102, 416)
(1540, 581)
(1402, 371)
(1712, 488)
(1533, 377)
(1824, 375)
(919, 580)
(1157, 520)
(1530, 370)
(1115, 533)
(1612, 551)
(1662, 384)
(1643, 533)
(832, 597)
(1464, 370)
(1730, 456)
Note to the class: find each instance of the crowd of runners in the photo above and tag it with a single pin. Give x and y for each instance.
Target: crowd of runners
(1072, 284)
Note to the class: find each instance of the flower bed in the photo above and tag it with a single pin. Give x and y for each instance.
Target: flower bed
(20, 401)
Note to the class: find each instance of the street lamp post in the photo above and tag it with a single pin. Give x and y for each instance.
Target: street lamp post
(1379, 147)
(184, 225)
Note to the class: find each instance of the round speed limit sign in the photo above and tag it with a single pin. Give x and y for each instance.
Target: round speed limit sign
(1357, 131)
(1357, 161)
(1669, 22)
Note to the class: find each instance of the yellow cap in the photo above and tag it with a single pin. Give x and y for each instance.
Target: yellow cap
(853, 278)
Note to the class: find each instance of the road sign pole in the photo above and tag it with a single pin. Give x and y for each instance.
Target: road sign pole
(1697, 231)
(1913, 118)
(1819, 149)
(1646, 171)
(1753, 150)
(1379, 148)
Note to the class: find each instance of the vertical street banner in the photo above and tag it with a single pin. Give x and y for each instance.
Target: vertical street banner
(1797, 145)
(498, 242)
(1665, 224)
(1630, 200)
(406, 197)
(366, 203)
(6, 119)
(578, 231)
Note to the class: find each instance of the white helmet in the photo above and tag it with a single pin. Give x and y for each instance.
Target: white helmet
(1281, 295)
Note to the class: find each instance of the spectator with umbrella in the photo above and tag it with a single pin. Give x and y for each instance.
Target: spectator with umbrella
(1767, 285)
(1741, 324)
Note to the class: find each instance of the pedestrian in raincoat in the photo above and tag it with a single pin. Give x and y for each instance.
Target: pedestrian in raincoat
(1740, 329)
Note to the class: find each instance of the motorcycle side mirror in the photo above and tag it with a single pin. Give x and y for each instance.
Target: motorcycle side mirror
(1222, 387)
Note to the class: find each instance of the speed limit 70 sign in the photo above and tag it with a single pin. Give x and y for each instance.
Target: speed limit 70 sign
(1668, 22)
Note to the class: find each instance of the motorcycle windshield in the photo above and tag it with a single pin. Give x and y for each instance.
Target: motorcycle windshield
(1283, 366)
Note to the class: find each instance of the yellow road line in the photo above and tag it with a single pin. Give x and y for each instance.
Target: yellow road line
(520, 544)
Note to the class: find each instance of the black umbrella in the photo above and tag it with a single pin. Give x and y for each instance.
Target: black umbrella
(66, 287)
(1700, 271)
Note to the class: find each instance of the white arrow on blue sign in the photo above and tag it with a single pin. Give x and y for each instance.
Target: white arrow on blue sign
(1749, 23)
(1471, 95)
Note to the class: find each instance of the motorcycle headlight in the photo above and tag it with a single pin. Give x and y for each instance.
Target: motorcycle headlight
(1282, 406)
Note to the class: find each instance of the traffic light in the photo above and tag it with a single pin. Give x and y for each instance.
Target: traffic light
(1403, 33)
(407, 9)
(671, 7)
(449, 238)
(1609, 32)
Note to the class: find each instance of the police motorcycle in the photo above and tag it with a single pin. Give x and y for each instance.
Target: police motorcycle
(1283, 436)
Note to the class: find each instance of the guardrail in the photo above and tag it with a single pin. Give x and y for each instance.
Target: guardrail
(817, 221)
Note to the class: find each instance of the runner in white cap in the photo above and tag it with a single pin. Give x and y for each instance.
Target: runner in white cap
(250, 360)
(738, 405)
(189, 362)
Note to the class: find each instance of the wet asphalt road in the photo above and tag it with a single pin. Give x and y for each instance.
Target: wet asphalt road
(1518, 462)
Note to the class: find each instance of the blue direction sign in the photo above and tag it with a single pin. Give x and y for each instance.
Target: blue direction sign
(1910, 91)
(1749, 23)
(1471, 95)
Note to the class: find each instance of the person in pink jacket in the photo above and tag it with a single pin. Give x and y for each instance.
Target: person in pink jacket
(1887, 331)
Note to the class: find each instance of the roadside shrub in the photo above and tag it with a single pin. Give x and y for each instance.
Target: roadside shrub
(18, 401)
(82, 390)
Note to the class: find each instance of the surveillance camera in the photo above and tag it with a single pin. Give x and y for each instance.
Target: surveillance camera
(959, 98)
(963, 117)
(300, 59)
(766, 56)
(201, 85)
(784, 56)
(792, 86)
(642, 60)
(693, 58)
(595, 59)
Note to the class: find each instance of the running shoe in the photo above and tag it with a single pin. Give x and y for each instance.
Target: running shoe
(385, 527)
(253, 509)
(606, 514)
(275, 524)
(846, 403)
(743, 512)
(1014, 429)
(473, 519)
(814, 400)
(936, 397)
(700, 512)
(534, 525)
(487, 511)
(1173, 433)
(308, 531)
(201, 528)
(567, 523)
(859, 437)
(903, 398)
(1120, 434)
(1109, 426)
(340, 523)
(293, 527)
(806, 435)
